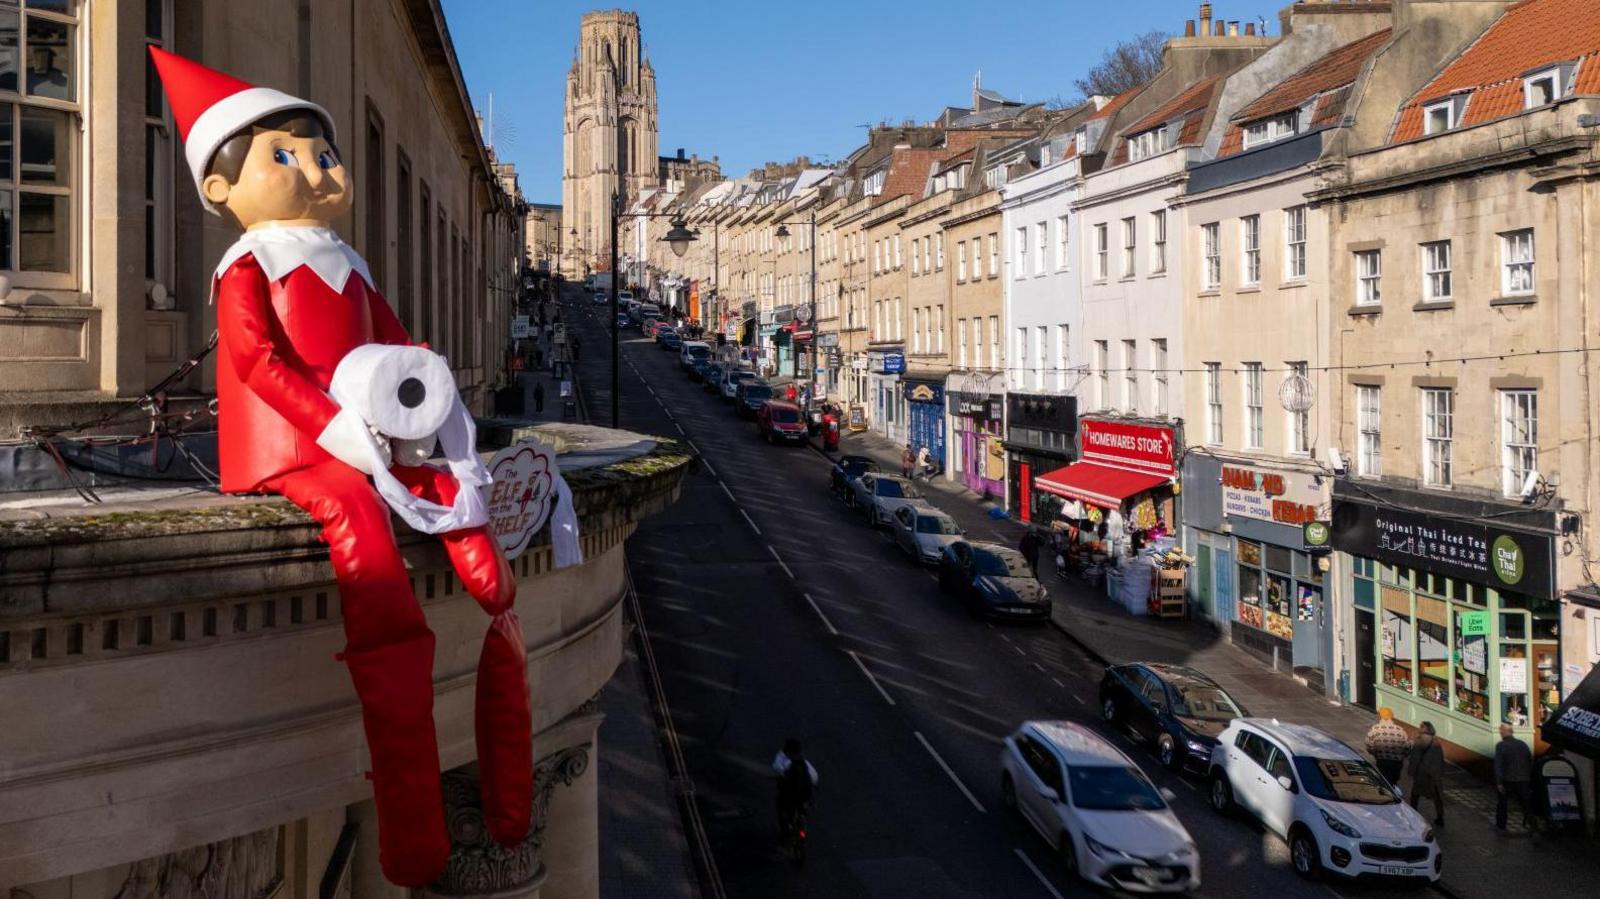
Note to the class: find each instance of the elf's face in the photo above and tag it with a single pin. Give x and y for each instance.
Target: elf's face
(285, 180)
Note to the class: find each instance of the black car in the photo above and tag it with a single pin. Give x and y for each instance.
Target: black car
(713, 377)
(697, 371)
(993, 581)
(1178, 709)
(749, 397)
(847, 469)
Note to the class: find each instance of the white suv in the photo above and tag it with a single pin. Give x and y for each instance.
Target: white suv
(1334, 809)
(1109, 823)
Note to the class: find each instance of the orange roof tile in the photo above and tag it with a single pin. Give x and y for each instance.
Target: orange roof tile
(1528, 35)
(1115, 103)
(1330, 76)
(1196, 98)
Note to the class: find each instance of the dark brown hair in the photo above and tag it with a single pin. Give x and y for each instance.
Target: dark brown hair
(228, 161)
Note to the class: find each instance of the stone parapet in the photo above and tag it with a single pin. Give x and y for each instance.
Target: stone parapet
(168, 670)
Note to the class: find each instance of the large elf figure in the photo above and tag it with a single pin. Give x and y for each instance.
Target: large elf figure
(293, 301)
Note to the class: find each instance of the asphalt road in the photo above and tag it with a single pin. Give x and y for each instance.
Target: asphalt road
(775, 611)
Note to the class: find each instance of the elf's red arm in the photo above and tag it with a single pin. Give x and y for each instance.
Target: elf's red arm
(246, 337)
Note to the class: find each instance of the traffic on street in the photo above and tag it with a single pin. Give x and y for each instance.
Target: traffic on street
(961, 745)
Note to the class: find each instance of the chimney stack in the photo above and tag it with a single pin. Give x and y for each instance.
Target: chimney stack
(1188, 28)
(1233, 29)
(1219, 28)
(1249, 29)
(1205, 19)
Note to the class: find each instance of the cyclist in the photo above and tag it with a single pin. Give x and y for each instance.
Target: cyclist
(797, 778)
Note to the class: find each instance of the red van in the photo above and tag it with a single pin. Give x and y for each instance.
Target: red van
(778, 420)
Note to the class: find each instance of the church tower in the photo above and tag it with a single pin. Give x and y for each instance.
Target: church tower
(609, 131)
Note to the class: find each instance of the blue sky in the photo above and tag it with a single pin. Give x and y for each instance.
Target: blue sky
(753, 80)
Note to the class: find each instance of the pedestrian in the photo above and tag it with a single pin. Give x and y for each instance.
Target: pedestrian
(924, 464)
(1513, 772)
(1388, 743)
(538, 396)
(1426, 763)
(790, 393)
(906, 461)
(575, 345)
(1029, 546)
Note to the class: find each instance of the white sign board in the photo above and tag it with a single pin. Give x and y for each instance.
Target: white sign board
(1513, 675)
(521, 328)
(522, 494)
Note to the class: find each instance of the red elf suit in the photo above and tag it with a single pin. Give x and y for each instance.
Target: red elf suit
(292, 302)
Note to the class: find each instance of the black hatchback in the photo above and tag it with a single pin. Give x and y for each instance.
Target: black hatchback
(847, 469)
(1177, 709)
(992, 581)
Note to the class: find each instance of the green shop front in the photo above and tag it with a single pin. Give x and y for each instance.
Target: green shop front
(1455, 614)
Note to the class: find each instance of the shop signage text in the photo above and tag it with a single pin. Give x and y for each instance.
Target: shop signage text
(1139, 447)
(1267, 496)
(976, 407)
(894, 363)
(1505, 560)
(923, 392)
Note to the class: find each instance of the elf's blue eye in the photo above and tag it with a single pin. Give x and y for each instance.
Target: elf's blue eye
(326, 160)
(284, 157)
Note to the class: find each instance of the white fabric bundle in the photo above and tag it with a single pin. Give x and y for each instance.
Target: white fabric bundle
(407, 392)
(564, 545)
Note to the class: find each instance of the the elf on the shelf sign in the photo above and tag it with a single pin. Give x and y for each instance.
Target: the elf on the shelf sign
(522, 494)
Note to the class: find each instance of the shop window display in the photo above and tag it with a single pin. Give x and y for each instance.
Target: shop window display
(1250, 584)
(1433, 651)
(1396, 647)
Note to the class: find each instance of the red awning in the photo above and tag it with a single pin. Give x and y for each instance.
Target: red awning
(788, 327)
(1101, 485)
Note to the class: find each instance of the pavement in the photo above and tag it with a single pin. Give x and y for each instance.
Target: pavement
(772, 610)
(644, 852)
(1479, 860)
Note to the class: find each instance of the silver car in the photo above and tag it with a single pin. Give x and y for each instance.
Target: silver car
(923, 532)
(731, 378)
(878, 495)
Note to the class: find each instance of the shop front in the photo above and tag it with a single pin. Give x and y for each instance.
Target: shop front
(885, 399)
(1121, 493)
(977, 446)
(1456, 618)
(925, 416)
(1244, 524)
(1041, 436)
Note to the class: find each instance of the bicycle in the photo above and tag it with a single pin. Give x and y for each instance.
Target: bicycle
(792, 837)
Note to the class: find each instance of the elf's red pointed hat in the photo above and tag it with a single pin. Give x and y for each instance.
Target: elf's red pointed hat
(210, 107)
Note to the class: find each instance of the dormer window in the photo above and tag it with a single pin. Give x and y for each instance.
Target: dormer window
(874, 184)
(1543, 88)
(1080, 141)
(1441, 116)
(1147, 143)
(1265, 131)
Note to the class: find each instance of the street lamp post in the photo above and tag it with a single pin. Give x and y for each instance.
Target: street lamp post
(811, 295)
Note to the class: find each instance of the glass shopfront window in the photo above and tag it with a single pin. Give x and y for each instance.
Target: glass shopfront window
(1277, 586)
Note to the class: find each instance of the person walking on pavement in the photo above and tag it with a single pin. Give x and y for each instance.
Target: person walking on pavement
(1513, 772)
(538, 396)
(924, 465)
(1388, 744)
(1426, 763)
(1029, 547)
(575, 344)
(906, 462)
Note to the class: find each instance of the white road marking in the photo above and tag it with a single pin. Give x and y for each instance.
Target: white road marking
(818, 609)
(1037, 873)
(706, 462)
(781, 564)
(679, 427)
(942, 764)
(1057, 682)
(750, 521)
(877, 686)
(1040, 667)
(724, 485)
(1019, 650)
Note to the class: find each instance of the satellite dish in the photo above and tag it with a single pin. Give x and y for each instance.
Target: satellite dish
(1297, 394)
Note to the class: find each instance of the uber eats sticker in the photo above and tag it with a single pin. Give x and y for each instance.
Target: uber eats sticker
(1507, 559)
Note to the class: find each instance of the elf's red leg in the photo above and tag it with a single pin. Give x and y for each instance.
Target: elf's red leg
(389, 651)
(503, 720)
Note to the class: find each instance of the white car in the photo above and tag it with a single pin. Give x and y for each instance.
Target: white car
(1109, 823)
(731, 378)
(923, 532)
(1330, 804)
(878, 495)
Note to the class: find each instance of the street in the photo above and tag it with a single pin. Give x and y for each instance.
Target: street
(774, 611)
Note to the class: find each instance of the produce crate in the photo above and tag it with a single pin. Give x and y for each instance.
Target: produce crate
(1169, 595)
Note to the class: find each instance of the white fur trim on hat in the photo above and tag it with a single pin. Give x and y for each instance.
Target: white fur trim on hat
(228, 117)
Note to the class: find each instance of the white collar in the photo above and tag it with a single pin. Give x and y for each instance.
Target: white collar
(281, 250)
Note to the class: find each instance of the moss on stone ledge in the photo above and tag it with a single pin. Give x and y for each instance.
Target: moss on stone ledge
(596, 491)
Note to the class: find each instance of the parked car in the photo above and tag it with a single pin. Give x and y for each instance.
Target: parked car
(1178, 710)
(698, 369)
(625, 297)
(749, 397)
(661, 331)
(846, 470)
(1108, 823)
(649, 327)
(731, 378)
(877, 495)
(778, 421)
(992, 580)
(650, 310)
(923, 532)
(622, 320)
(672, 340)
(601, 298)
(1335, 810)
(691, 350)
(713, 377)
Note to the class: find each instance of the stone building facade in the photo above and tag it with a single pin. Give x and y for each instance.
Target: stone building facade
(110, 274)
(609, 132)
